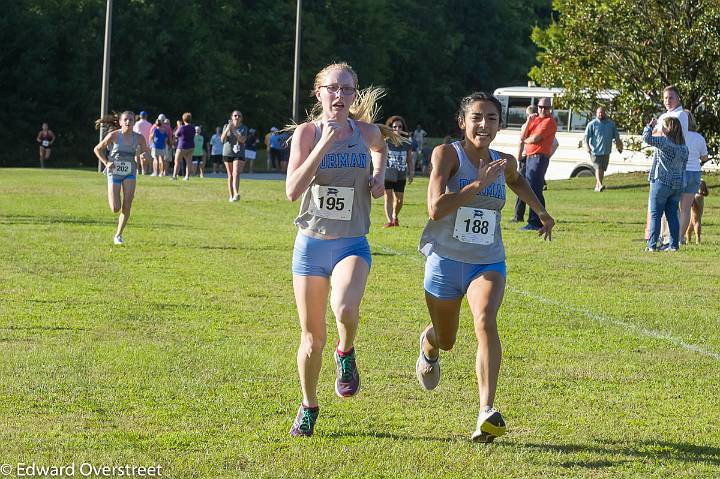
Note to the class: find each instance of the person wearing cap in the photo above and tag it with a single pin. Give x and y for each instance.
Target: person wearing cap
(275, 151)
(143, 127)
(159, 141)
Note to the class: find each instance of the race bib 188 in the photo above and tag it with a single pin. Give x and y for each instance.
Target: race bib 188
(332, 202)
(475, 225)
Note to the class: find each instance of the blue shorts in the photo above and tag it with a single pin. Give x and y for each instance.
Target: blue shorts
(449, 279)
(317, 257)
(117, 180)
(691, 182)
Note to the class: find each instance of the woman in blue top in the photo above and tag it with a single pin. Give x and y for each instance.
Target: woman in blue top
(160, 141)
(666, 178)
(465, 254)
(120, 164)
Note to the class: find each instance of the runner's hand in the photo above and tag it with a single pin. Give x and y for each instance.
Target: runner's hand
(330, 131)
(377, 185)
(488, 173)
(547, 225)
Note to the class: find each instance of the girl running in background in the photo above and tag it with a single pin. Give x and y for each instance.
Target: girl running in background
(337, 162)
(45, 139)
(400, 170)
(120, 164)
(465, 254)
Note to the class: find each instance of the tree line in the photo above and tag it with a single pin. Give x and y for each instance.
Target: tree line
(212, 56)
(636, 48)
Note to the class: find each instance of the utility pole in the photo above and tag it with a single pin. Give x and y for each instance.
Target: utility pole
(296, 77)
(106, 70)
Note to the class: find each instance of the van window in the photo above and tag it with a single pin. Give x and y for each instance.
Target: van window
(561, 117)
(516, 111)
(579, 120)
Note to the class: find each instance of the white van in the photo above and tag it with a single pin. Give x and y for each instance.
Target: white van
(571, 158)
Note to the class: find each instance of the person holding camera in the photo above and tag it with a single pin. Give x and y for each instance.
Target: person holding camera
(233, 137)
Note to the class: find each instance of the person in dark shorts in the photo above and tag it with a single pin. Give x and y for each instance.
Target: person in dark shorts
(216, 147)
(400, 170)
(233, 137)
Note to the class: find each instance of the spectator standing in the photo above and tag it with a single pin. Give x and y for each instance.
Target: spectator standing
(538, 139)
(216, 147)
(284, 142)
(143, 127)
(697, 156)
(673, 108)
(530, 112)
(185, 135)
(275, 149)
(251, 148)
(666, 178)
(199, 153)
(160, 141)
(419, 136)
(599, 136)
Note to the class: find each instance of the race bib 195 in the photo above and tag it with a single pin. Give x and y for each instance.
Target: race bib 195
(122, 168)
(332, 202)
(475, 225)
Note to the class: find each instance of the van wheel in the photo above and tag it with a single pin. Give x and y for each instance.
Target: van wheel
(583, 173)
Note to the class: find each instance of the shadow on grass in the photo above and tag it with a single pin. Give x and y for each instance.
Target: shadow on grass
(626, 187)
(41, 328)
(651, 450)
(591, 221)
(388, 435)
(48, 220)
(381, 253)
(109, 219)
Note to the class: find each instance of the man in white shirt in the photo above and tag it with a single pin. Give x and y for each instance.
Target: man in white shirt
(143, 127)
(671, 100)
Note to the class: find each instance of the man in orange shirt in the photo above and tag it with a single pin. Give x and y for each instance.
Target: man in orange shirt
(538, 139)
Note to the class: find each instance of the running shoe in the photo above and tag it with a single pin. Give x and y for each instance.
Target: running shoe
(389, 224)
(529, 227)
(650, 249)
(427, 371)
(186, 179)
(118, 240)
(395, 222)
(490, 424)
(173, 178)
(347, 381)
(304, 424)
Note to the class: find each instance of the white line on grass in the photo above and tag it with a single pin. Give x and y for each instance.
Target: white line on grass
(639, 330)
(617, 322)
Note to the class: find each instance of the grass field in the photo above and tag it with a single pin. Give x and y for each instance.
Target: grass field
(179, 349)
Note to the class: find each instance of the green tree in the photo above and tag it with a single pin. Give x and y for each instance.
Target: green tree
(637, 48)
